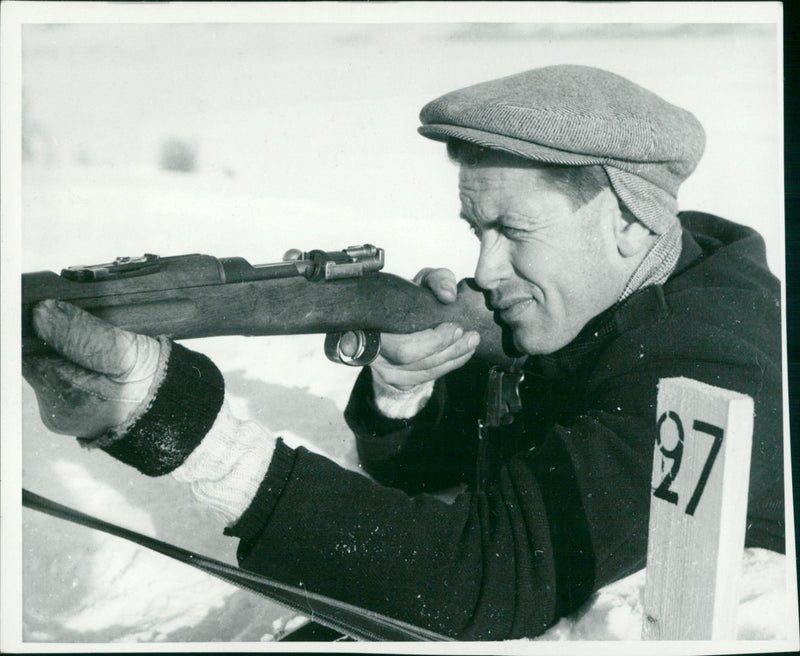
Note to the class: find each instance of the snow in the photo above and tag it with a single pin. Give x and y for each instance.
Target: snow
(304, 137)
(615, 611)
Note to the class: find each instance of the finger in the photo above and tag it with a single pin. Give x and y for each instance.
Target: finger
(421, 275)
(69, 401)
(70, 383)
(450, 365)
(30, 371)
(348, 344)
(83, 338)
(442, 282)
(405, 379)
(404, 349)
(467, 343)
(53, 378)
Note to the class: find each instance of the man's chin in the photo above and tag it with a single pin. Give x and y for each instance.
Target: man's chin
(532, 341)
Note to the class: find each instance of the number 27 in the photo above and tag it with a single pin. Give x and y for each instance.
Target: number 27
(675, 454)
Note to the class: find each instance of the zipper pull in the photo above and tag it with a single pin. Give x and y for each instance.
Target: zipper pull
(502, 401)
(502, 398)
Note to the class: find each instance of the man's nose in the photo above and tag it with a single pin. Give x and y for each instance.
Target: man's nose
(493, 263)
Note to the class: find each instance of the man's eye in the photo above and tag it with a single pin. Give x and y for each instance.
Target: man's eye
(513, 233)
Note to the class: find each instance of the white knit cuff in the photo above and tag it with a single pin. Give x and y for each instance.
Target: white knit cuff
(399, 404)
(226, 468)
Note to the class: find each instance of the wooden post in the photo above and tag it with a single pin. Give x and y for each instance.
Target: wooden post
(698, 508)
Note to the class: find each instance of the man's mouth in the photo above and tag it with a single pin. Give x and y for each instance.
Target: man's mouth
(511, 309)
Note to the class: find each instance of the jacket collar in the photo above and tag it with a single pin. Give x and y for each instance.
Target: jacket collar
(645, 305)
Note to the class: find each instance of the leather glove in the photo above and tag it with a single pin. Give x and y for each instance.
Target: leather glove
(102, 378)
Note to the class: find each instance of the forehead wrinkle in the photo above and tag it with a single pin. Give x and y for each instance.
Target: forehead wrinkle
(506, 190)
(472, 211)
(506, 193)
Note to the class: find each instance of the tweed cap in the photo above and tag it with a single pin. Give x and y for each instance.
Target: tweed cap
(579, 115)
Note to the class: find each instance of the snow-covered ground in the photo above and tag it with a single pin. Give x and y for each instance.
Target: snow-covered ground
(304, 136)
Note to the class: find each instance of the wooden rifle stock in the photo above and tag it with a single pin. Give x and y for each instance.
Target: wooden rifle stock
(193, 296)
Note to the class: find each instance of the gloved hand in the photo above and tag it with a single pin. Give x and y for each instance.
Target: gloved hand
(102, 378)
(407, 361)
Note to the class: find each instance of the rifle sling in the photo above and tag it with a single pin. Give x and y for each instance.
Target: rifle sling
(357, 623)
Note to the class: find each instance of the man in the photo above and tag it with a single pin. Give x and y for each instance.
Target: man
(568, 176)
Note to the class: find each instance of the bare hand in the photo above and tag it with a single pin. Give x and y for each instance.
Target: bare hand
(417, 358)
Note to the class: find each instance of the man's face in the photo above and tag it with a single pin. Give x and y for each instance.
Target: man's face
(549, 267)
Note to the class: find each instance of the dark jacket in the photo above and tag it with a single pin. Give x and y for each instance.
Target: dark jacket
(556, 504)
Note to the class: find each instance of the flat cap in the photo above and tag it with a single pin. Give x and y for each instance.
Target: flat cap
(579, 115)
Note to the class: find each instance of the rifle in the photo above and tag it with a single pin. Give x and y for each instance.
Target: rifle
(336, 293)
(332, 292)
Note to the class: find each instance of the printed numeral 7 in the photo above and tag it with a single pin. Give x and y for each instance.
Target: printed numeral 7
(716, 432)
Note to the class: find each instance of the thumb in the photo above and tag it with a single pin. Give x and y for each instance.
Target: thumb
(442, 282)
(83, 338)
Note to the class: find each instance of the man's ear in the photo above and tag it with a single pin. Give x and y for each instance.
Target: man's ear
(632, 236)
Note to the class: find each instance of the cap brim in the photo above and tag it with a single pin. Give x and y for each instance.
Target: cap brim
(518, 147)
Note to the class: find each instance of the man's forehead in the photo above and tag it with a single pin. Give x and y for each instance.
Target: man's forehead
(504, 174)
(487, 192)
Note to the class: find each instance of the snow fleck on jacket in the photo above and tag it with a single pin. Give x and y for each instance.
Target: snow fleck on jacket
(556, 504)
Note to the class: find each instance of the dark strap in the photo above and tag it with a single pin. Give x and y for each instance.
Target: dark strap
(355, 622)
(314, 632)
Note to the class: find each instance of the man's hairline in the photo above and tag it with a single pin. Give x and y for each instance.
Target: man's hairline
(518, 161)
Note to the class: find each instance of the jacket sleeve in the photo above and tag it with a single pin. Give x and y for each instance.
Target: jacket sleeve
(554, 515)
(551, 516)
(432, 451)
(451, 568)
(507, 558)
(504, 560)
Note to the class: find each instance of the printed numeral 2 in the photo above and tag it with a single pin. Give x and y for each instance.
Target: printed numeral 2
(675, 454)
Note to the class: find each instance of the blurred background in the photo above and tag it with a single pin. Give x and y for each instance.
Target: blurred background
(320, 119)
(249, 139)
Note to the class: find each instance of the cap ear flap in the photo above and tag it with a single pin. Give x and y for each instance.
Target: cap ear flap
(650, 204)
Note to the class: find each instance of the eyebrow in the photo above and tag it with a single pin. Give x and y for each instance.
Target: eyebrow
(479, 224)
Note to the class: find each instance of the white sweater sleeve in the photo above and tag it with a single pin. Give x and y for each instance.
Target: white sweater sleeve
(398, 404)
(226, 468)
